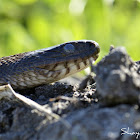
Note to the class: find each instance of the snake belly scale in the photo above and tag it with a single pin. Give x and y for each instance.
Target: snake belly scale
(30, 69)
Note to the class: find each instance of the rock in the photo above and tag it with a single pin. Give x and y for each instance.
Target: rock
(117, 78)
(94, 123)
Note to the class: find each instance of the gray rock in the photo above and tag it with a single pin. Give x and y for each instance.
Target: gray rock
(117, 78)
(95, 124)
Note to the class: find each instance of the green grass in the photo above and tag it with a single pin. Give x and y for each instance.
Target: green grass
(27, 25)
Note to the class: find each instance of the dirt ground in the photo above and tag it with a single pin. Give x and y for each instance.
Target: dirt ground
(103, 108)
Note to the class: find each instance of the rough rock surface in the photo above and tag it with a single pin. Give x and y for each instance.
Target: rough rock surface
(101, 111)
(118, 80)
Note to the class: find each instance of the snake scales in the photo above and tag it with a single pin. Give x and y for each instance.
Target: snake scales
(47, 65)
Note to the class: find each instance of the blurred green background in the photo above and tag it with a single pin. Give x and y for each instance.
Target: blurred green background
(27, 25)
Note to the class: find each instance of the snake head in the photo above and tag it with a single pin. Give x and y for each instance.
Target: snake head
(67, 58)
(70, 51)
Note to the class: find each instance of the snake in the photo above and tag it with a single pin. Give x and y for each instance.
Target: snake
(48, 65)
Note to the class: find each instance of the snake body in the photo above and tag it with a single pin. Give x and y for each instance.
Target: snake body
(47, 65)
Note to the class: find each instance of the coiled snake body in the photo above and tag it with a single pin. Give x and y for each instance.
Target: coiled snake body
(48, 65)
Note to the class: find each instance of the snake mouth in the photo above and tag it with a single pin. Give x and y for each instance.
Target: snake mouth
(67, 68)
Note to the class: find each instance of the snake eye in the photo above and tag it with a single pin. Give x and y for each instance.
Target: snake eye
(69, 48)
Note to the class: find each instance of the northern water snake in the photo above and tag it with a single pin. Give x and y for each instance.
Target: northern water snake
(48, 65)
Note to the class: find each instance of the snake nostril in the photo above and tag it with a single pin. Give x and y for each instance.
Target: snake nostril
(94, 47)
